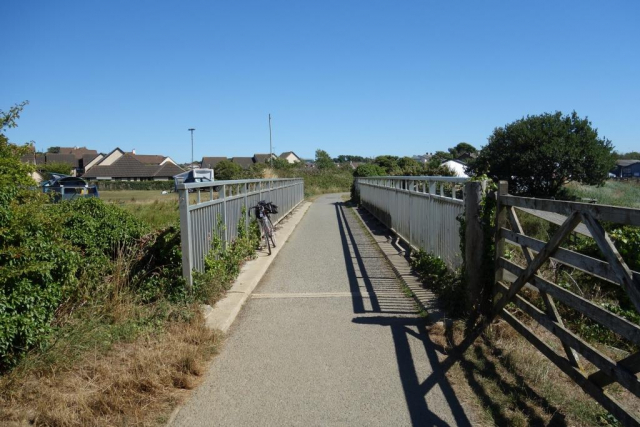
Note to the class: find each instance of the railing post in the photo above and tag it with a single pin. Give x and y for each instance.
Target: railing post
(474, 238)
(246, 205)
(224, 214)
(185, 237)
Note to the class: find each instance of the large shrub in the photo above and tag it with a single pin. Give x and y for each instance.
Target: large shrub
(37, 270)
(539, 154)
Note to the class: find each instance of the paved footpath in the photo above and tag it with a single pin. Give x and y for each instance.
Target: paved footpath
(328, 338)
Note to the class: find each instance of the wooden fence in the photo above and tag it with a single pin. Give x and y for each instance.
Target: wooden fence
(512, 277)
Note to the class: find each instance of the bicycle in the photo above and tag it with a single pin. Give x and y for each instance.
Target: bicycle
(267, 230)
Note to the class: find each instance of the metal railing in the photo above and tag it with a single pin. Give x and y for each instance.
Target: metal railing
(422, 210)
(215, 208)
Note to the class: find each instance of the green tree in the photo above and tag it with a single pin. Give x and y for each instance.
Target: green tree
(369, 169)
(50, 168)
(13, 172)
(539, 154)
(226, 170)
(631, 155)
(53, 150)
(439, 157)
(410, 167)
(462, 148)
(323, 160)
(389, 164)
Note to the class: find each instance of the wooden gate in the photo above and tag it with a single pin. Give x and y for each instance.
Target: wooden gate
(511, 278)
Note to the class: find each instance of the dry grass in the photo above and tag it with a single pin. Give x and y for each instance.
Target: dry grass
(506, 381)
(136, 383)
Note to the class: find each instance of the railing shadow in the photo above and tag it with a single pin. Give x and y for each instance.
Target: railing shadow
(477, 371)
(375, 291)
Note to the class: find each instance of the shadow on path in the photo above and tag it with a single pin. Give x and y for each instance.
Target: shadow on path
(486, 365)
(375, 291)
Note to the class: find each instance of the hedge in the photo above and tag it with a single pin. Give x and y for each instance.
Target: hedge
(133, 185)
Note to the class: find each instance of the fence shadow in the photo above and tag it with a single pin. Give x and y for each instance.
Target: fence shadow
(361, 254)
(375, 291)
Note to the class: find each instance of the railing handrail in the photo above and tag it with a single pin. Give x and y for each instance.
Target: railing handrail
(453, 179)
(191, 185)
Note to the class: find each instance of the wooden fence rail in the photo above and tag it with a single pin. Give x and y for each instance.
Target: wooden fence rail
(511, 278)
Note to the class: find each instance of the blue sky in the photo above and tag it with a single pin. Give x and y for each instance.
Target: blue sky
(351, 77)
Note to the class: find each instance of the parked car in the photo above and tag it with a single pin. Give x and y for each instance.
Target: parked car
(65, 187)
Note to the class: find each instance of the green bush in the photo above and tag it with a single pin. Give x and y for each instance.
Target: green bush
(158, 271)
(435, 275)
(94, 226)
(222, 263)
(369, 169)
(37, 270)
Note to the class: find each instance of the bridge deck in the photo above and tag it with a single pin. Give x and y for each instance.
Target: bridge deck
(327, 339)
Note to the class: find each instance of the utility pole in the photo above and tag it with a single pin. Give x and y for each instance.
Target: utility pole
(191, 130)
(270, 144)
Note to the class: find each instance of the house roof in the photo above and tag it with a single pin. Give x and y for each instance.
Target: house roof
(68, 159)
(245, 162)
(78, 152)
(211, 162)
(169, 169)
(128, 166)
(286, 154)
(150, 159)
(261, 158)
(626, 162)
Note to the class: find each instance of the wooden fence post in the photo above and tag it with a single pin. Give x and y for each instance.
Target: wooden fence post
(501, 221)
(474, 238)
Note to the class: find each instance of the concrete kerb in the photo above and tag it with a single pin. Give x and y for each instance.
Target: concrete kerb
(222, 315)
(395, 251)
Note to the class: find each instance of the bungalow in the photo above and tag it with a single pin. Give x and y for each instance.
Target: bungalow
(290, 157)
(121, 166)
(627, 169)
(457, 167)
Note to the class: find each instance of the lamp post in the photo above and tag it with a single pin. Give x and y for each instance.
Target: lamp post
(191, 130)
(270, 144)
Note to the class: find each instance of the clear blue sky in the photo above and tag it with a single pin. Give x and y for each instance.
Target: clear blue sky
(351, 77)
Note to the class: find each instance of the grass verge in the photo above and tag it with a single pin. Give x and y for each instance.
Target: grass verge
(121, 373)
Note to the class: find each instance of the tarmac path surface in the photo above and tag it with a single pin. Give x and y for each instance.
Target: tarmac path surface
(327, 338)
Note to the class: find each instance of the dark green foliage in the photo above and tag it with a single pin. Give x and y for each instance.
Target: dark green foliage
(406, 166)
(320, 181)
(49, 168)
(133, 185)
(323, 160)
(97, 227)
(158, 271)
(222, 263)
(348, 158)
(439, 157)
(631, 155)
(369, 169)
(462, 148)
(53, 150)
(37, 270)
(435, 275)
(72, 257)
(227, 170)
(539, 154)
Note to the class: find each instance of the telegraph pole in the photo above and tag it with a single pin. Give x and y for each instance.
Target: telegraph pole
(270, 144)
(191, 130)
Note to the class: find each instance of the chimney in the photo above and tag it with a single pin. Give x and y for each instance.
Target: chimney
(133, 151)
